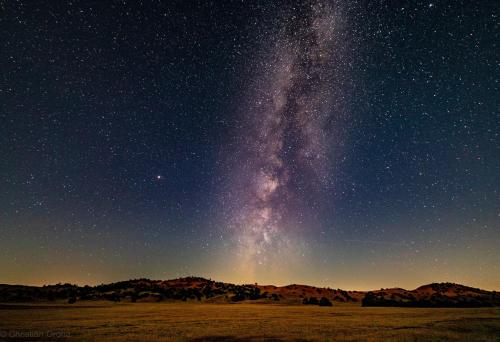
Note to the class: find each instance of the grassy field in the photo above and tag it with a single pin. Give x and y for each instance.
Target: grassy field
(244, 322)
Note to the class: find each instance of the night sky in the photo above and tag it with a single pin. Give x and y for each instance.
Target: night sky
(350, 144)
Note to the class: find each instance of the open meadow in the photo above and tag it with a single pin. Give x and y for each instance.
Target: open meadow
(244, 322)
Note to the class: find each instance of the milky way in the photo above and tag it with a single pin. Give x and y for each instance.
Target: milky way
(285, 155)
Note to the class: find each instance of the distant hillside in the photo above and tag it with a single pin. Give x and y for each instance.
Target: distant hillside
(433, 295)
(207, 290)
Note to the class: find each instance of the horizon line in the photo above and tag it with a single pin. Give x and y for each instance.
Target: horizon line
(240, 284)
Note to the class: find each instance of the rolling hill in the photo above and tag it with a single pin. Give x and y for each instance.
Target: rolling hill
(209, 291)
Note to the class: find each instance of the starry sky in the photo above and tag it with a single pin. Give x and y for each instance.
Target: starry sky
(350, 144)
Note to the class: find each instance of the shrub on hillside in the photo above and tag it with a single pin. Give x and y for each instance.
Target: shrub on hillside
(325, 302)
(238, 297)
(255, 293)
(310, 301)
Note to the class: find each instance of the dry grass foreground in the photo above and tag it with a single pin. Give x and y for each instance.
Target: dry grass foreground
(243, 322)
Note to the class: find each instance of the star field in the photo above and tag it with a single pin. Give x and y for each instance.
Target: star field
(350, 144)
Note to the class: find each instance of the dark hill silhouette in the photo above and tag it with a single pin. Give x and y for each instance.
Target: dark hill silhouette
(207, 290)
(433, 295)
